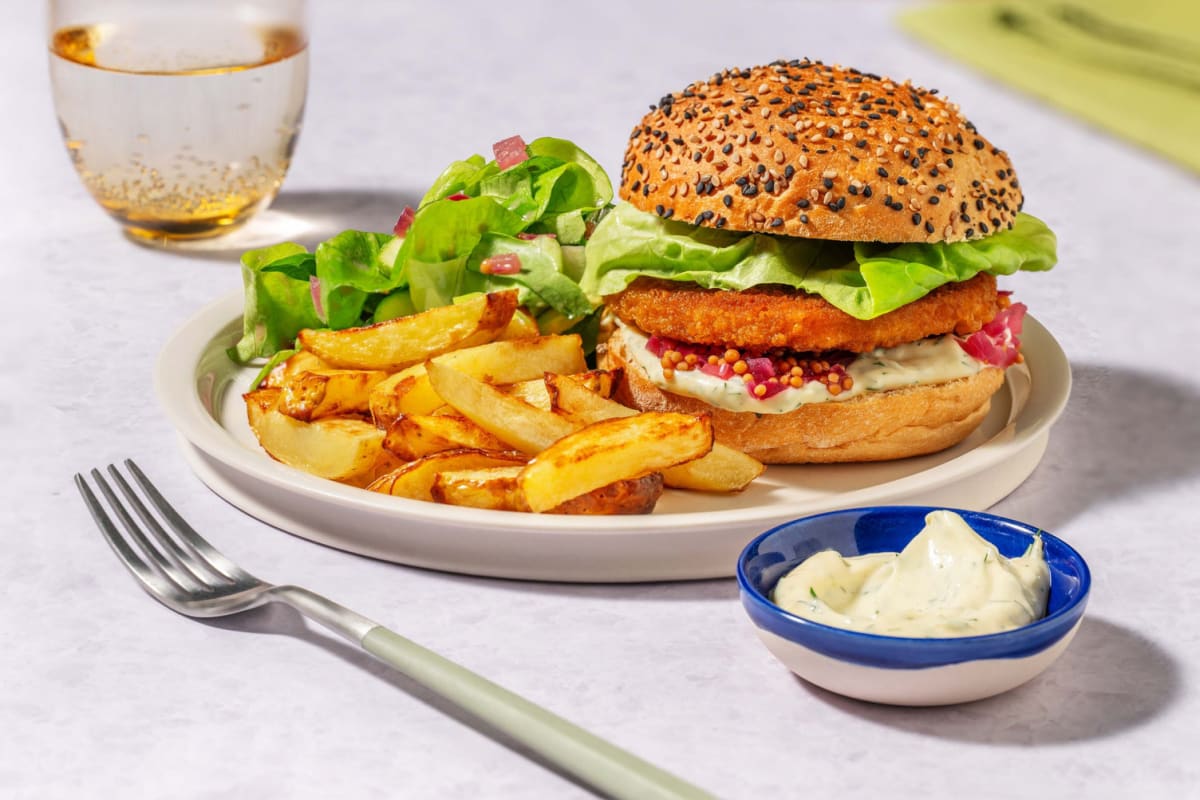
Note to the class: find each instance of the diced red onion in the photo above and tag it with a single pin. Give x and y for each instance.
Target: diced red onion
(405, 221)
(510, 152)
(458, 196)
(531, 236)
(502, 264)
(314, 289)
(760, 368)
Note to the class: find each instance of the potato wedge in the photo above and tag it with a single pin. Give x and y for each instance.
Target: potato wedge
(300, 361)
(412, 436)
(512, 421)
(409, 391)
(415, 479)
(612, 450)
(722, 470)
(497, 488)
(521, 326)
(309, 395)
(400, 342)
(629, 496)
(340, 448)
(405, 392)
(532, 392)
(491, 487)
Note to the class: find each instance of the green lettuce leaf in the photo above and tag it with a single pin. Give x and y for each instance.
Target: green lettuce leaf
(864, 280)
(277, 306)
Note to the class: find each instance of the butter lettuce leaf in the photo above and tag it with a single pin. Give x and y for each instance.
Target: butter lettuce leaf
(865, 280)
(276, 305)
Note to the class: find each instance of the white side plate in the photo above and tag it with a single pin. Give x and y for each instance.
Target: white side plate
(689, 535)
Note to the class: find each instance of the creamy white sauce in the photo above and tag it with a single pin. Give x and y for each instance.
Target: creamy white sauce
(926, 362)
(949, 581)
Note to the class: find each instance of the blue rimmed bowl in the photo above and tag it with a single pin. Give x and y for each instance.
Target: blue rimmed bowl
(899, 670)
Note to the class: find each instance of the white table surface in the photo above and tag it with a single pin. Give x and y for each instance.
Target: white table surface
(104, 693)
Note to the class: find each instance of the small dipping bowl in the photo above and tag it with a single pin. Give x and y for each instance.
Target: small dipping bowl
(901, 670)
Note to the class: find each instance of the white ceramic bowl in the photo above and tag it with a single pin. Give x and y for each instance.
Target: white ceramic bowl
(899, 670)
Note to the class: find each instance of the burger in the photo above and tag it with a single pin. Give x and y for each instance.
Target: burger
(810, 253)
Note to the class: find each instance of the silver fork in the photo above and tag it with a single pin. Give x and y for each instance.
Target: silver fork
(188, 575)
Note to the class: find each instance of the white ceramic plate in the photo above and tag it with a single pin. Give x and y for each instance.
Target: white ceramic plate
(688, 536)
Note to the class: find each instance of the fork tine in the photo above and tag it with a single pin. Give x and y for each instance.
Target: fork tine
(191, 567)
(151, 581)
(204, 551)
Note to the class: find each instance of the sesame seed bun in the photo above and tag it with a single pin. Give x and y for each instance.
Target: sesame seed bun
(825, 152)
(880, 426)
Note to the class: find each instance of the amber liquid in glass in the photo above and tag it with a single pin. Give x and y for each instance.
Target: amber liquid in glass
(180, 142)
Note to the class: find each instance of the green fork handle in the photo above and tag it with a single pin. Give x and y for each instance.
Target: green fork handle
(598, 763)
(616, 772)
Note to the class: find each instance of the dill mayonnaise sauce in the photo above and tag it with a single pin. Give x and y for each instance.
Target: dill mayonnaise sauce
(948, 581)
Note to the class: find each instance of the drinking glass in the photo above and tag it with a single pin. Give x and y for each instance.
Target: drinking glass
(180, 116)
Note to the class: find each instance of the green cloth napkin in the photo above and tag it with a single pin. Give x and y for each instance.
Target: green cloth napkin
(1129, 66)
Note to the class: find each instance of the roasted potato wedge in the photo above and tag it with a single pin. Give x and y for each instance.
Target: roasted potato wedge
(532, 392)
(412, 436)
(521, 326)
(513, 421)
(309, 395)
(724, 469)
(340, 448)
(613, 450)
(300, 361)
(415, 479)
(507, 362)
(497, 488)
(401, 342)
(629, 496)
(491, 487)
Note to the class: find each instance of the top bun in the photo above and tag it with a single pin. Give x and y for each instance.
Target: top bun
(821, 152)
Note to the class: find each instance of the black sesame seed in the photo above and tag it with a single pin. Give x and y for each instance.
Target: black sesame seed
(950, 162)
(874, 116)
(866, 191)
(883, 173)
(928, 226)
(659, 209)
(902, 181)
(804, 218)
(670, 213)
(727, 149)
(775, 223)
(979, 205)
(916, 219)
(720, 223)
(727, 200)
(769, 186)
(636, 185)
(948, 151)
(827, 183)
(995, 222)
(749, 190)
(897, 207)
(802, 204)
(970, 232)
(697, 156)
(941, 187)
(789, 171)
(841, 203)
(933, 172)
(933, 201)
(861, 143)
(853, 190)
(741, 181)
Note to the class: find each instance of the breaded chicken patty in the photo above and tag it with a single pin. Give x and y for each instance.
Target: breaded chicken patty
(767, 317)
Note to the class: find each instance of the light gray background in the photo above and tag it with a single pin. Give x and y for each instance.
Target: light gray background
(103, 693)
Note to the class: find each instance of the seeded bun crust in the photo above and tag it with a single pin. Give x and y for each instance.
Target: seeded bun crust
(874, 427)
(824, 152)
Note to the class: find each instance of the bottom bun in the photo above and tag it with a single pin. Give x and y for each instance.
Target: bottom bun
(872, 427)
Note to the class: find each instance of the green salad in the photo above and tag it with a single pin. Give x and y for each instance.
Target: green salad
(519, 220)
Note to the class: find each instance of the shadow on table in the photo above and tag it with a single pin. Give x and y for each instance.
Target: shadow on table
(1124, 432)
(306, 217)
(279, 619)
(1109, 680)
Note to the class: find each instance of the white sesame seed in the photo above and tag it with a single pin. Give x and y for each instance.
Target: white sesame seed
(829, 173)
(803, 160)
